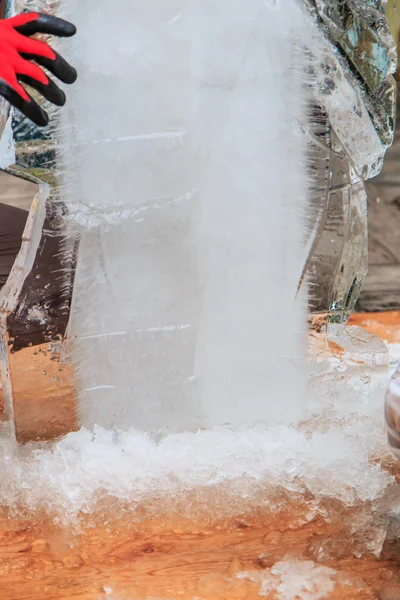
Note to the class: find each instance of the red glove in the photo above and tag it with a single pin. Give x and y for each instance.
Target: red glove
(17, 50)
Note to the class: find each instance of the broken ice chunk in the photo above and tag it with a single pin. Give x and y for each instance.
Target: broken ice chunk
(293, 579)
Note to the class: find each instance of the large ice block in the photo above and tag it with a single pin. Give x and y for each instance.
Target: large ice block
(183, 173)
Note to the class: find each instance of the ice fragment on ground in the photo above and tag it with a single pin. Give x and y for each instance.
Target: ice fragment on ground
(293, 580)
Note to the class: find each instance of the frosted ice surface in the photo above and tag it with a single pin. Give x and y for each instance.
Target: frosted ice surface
(184, 173)
(293, 580)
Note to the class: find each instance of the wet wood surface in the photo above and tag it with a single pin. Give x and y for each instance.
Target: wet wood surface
(119, 563)
(386, 325)
(16, 191)
(44, 395)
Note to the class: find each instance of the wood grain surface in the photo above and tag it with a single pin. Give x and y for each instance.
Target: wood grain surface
(119, 562)
(44, 394)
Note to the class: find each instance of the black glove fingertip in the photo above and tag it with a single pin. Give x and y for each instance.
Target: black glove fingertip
(54, 26)
(50, 91)
(70, 75)
(49, 25)
(41, 118)
(30, 108)
(58, 66)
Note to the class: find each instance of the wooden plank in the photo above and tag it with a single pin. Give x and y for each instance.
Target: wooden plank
(16, 191)
(44, 395)
(383, 278)
(378, 253)
(118, 560)
(381, 289)
(384, 228)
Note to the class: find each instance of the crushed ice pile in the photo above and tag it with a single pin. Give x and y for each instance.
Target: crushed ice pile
(70, 475)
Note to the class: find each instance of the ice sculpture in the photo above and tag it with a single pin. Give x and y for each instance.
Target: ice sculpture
(350, 126)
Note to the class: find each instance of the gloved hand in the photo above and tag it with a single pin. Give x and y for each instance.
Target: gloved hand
(17, 50)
